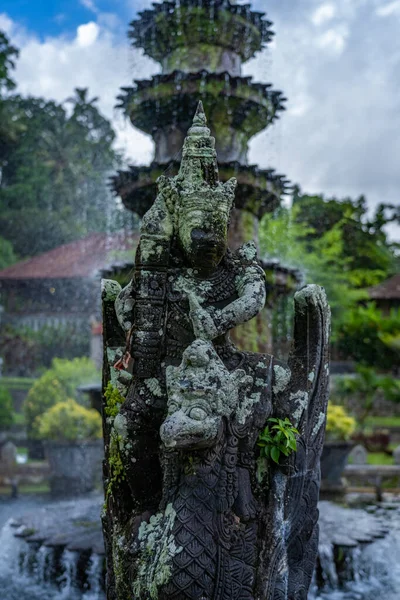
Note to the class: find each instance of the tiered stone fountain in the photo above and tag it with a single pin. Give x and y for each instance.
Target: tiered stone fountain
(201, 46)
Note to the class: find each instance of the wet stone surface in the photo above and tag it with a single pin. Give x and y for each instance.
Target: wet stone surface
(74, 525)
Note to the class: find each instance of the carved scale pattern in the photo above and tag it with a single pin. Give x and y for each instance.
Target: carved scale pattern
(218, 553)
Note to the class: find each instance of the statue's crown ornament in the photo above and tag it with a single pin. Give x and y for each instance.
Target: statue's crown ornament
(197, 183)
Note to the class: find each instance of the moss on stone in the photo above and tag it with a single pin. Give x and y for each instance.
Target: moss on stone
(121, 562)
(109, 290)
(157, 548)
(114, 399)
(193, 25)
(185, 57)
(281, 378)
(116, 467)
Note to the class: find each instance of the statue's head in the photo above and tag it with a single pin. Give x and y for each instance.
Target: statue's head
(202, 223)
(201, 203)
(201, 392)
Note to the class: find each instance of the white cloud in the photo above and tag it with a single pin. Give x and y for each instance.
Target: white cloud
(339, 134)
(87, 34)
(97, 58)
(90, 5)
(109, 21)
(6, 24)
(323, 13)
(333, 40)
(389, 9)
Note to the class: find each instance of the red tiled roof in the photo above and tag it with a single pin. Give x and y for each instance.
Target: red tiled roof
(82, 258)
(388, 290)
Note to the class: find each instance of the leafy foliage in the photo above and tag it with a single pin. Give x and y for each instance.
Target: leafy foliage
(339, 425)
(7, 254)
(365, 243)
(25, 351)
(6, 409)
(370, 337)
(367, 384)
(277, 439)
(69, 421)
(337, 245)
(54, 182)
(55, 386)
(55, 160)
(8, 129)
(283, 237)
(8, 55)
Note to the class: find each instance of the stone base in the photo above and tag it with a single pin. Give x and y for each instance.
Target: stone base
(75, 468)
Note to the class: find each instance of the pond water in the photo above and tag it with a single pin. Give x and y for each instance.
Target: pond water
(368, 571)
(24, 575)
(18, 582)
(361, 573)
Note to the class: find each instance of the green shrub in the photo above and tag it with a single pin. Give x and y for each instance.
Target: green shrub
(370, 337)
(367, 385)
(55, 386)
(69, 421)
(6, 409)
(339, 425)
(26, 351)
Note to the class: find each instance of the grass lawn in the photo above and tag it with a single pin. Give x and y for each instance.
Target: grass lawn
(18, 419)
(17, 383)
(379, 458)
(382, 422)
(29, 488)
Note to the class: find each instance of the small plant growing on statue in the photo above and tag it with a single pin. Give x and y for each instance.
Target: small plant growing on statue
(278, 439)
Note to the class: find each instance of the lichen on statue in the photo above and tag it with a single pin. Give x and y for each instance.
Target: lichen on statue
(187, 429)
(185, 235)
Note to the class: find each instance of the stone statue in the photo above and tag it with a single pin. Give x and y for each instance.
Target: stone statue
(193, 510)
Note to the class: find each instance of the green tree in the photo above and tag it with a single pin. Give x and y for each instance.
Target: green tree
(321, 260)
(367, 384)
(7, 254)
(8, 129)
(368, 252)
(370, 337)
(56, 385)
(55, 161)
(336, 244)
(54, 185)
(6, 409)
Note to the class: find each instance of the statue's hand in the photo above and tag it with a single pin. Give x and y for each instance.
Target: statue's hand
(203, 323)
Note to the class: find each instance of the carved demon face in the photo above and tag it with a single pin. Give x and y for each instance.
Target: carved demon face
(203, 236)
(201, 391)
(203, 220)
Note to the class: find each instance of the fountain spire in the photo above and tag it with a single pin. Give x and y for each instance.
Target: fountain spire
(201, 46)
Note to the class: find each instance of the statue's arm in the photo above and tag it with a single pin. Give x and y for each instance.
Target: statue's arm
(250, 289)
(124, 305)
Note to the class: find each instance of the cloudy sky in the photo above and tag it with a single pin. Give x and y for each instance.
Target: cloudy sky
(337, 61)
